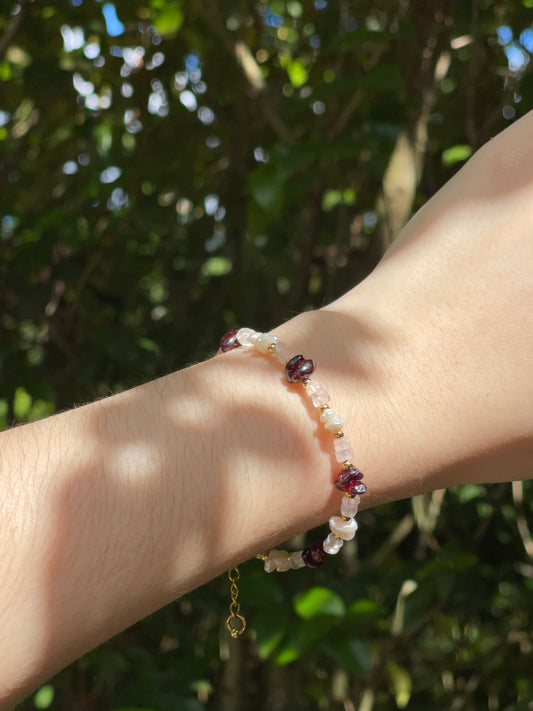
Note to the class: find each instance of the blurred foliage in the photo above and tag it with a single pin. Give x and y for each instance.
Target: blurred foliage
(169, 168)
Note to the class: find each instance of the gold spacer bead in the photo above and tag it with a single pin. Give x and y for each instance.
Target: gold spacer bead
(305, 382)
(262, 556)
(345, 518)
(337, 538)
(324, 407)
(347, 464)
(339, 434)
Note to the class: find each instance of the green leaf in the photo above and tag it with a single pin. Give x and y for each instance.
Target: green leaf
(306, 635)
(169, 18)
(319, 601)
(455, 154)
(401, 683)
(44, 697)
(216, 266)
(22, 403)
(297, 73)
(468, 492)
(351, 654)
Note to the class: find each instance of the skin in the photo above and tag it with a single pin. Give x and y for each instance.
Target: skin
(112, 510)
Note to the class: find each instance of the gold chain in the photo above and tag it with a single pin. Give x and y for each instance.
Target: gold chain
(235, 623)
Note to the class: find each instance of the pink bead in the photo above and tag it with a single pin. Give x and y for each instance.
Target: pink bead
(317, 393)
(343, 450)
(282, 352)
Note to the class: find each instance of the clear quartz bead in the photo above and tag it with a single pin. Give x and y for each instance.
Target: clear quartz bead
(270, 566)
(243, 336)
(279, 560)
(350, 505)
(283, 563)
(282, 352)
(343, 449)
(343, 529)
(332, 545)
(296, 560)
(318, 394)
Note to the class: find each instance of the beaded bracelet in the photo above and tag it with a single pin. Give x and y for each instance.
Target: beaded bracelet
(349, 480)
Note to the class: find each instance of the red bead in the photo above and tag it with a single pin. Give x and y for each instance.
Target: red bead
(315, 555)
(349, 481)
(298, 369)
(229, 340)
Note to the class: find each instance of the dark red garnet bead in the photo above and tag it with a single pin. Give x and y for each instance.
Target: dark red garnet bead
(349, 481)
(229, 340)
(298, 368)
(315, 555)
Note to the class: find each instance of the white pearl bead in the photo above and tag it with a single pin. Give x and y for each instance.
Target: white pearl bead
(243, 336)
(349, 506)
(332, 545)
(334, 424)
(328, 414)
(343, 529)
(262, 342)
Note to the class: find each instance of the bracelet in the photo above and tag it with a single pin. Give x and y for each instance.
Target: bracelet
(349, 480)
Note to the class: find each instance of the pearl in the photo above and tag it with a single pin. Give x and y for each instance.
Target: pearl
(243, 336)
(335, 424)
(349, 506)
(332, 545)
(343, 529)
(262, 342)
(328, 414)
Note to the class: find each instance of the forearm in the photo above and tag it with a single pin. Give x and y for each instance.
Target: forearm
(115, 509)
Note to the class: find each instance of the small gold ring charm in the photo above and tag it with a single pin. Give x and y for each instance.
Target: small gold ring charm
(236, 624)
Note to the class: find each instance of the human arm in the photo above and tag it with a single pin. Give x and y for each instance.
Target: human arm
(116, 508)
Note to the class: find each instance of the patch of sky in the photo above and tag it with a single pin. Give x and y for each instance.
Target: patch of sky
(118, 200)
(114, 26)
(526, 39)
(156, 61)
(517, 58)
(505, 34)
(84, 88)
(70, 167)
(211, 203)
(271, 18)
(91, 50)
(110, 174)
(188, 99)
(73, 38)
(206, 115)
(192, 62)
